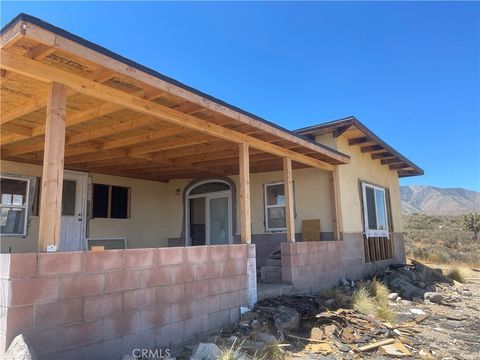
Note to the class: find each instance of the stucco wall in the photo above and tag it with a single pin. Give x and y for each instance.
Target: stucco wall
(147, 226)
(362, 167)
(157, 208)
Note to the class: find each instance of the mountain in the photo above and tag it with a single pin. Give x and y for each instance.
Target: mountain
(438, 201)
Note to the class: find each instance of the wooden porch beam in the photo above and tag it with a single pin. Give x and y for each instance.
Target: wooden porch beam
(245, 211)
(289, 209)
(52, 175)
(48, 73)
(335, 201)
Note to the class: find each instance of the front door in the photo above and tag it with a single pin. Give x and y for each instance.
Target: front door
(72, 231)
(209, 213)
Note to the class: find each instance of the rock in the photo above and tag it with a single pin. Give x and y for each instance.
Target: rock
(266, 338)
(403, 285)
(255, 324)
(249, 315)
(467, 293)
(286, 318)
(19, 349)
(417, 311)
(434, 297)
(206, 351)
(392, 296)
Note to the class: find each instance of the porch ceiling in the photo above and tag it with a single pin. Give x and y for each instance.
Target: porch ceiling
(124, 119)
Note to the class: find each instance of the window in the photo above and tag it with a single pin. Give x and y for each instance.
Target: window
(14, 206)
(375, 211)
(110, 202)
(275, 207)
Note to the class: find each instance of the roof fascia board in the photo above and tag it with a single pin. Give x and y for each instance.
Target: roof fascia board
(352, 121)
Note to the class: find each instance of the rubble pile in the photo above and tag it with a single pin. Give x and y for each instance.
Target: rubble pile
(429, 322)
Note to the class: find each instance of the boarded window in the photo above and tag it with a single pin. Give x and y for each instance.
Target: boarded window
(110, 201)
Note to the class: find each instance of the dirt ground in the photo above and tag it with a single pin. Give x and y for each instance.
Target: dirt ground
(449, 329)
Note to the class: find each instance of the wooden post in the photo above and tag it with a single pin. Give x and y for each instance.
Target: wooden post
(289, 211)
(335, 201)
(52, 177)
(245, 212)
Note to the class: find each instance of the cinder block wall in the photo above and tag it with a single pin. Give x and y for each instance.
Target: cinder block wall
(317, 265)
(314, 265)
(102, 305)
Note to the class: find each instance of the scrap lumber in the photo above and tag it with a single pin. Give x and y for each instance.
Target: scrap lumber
(376, 344)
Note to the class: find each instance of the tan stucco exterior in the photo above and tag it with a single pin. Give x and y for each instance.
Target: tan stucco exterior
(157, 209)
(362, 168)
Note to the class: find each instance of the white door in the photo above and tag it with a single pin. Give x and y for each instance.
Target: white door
(72, 231)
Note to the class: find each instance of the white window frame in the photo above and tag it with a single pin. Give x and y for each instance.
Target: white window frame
(25, 207)
(265, 186)
(374, 232)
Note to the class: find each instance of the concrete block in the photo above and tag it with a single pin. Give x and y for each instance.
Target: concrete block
(156, 277)
(102, 305)
(170, 293)
(140, 258)
(196, 254)
(80, 334)
(171, 256)
(23, 265)
(33, 291)
(60, 263)
(82, 285)
(139, 299)
(58, 313)
(121, 325)
(123, 280)
(154, 317)
(104, 260)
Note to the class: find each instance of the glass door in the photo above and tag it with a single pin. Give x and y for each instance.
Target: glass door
(218, 229)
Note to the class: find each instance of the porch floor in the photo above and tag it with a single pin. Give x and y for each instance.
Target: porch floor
(265, 290)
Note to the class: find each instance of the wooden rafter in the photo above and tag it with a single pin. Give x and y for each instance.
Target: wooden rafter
(48, 73)
(359, 140)
(383, 155)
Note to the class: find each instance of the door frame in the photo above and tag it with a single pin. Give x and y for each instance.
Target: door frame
(83, 183)
(208, 196)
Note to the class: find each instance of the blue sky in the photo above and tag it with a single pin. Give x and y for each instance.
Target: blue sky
(409, 71)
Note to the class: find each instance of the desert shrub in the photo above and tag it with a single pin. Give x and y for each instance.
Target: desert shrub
(459, 273)
(363, 302)
(471, 222)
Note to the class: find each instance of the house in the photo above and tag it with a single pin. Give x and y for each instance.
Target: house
(187, 196)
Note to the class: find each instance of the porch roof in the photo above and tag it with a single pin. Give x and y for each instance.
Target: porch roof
(359, 135)
(129, 120)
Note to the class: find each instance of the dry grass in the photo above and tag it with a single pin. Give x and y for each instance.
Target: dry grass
(459, 273)
(273, 351)
(372, 298)
(230, 352)
(440, 239)
(363, 302)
